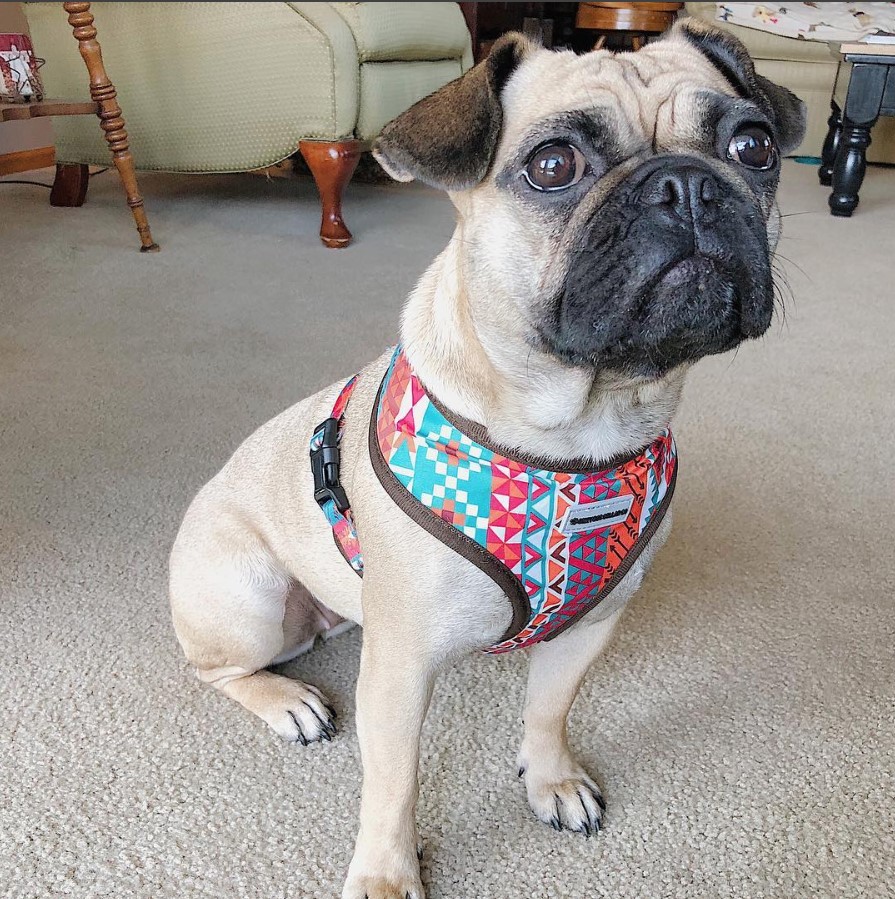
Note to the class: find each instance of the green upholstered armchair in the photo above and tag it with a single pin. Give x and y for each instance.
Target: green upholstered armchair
(231, 87)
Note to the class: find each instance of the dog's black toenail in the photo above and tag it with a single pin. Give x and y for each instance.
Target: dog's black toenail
(598, 798)
(327, 728)
(520, 772)
(585, 809)
(301, 735)
(556, 823)
(320, 721)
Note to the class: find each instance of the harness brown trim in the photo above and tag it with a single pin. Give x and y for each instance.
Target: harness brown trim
(479, 433)
(447, 533)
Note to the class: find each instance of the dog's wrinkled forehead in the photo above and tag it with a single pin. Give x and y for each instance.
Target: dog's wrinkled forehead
(655, 98)
(670, 96)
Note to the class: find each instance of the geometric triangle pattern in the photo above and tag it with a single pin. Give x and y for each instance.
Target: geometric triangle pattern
(534, 521)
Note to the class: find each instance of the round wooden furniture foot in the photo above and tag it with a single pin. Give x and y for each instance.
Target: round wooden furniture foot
(332, 163)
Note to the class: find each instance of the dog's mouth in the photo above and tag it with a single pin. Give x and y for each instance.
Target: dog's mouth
(703, 296)
(697, 269)
(691, 307)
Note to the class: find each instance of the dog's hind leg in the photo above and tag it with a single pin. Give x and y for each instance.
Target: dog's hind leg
(229, 599)
(560, 792)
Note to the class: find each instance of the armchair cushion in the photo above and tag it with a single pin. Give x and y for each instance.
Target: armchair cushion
(389, 88)
(399, 32)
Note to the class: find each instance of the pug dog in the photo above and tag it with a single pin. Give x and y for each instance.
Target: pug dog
(616, 222)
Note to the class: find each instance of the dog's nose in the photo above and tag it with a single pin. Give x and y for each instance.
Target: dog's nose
(688, 193)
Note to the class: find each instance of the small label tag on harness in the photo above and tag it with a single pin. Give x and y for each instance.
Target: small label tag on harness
(601, 514)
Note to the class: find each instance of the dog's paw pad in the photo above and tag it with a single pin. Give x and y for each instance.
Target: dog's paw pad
(302, 715)
(571, 802)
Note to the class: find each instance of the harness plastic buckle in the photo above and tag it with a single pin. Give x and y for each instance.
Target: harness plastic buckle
(325, 467)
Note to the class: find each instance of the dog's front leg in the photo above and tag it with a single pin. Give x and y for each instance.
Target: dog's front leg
(393, 692)
(560, 791)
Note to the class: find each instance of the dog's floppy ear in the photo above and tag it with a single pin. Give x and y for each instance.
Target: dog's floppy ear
(728, 54)
(448, 139)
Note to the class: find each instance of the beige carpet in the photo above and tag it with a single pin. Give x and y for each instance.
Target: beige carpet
(741, 725)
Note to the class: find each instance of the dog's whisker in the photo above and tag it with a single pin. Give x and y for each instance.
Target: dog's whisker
(795, 265)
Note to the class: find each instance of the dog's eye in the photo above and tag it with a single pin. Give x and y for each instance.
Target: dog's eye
(753, 147)
(555, 167)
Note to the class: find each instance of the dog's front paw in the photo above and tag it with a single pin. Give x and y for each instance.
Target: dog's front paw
(300, 713)
(385, 871)
(372, 887)
(565, 797)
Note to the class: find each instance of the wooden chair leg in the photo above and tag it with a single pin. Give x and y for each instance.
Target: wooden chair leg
(332, 164)
(70, 185)
(103, 92)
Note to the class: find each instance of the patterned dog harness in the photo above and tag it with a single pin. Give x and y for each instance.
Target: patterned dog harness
(555, 542)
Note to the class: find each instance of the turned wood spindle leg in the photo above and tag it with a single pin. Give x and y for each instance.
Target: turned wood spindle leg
(332, 164)
(103, 92)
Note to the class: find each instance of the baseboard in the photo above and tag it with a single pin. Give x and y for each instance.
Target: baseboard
(25, 160)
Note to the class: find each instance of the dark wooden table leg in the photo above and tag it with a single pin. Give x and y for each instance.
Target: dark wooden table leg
(332, 164)
(862, 106)
(103, 92)
(70, 185)
(849, 169)
(831, 145)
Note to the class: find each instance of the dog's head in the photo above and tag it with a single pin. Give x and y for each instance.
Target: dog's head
(623, 203)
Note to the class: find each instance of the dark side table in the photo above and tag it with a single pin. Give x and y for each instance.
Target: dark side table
(871, 93)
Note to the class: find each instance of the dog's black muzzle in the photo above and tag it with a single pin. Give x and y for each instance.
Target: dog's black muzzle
(673, 265)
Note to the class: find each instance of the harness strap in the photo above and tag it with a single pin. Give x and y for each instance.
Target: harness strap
(328, 490)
